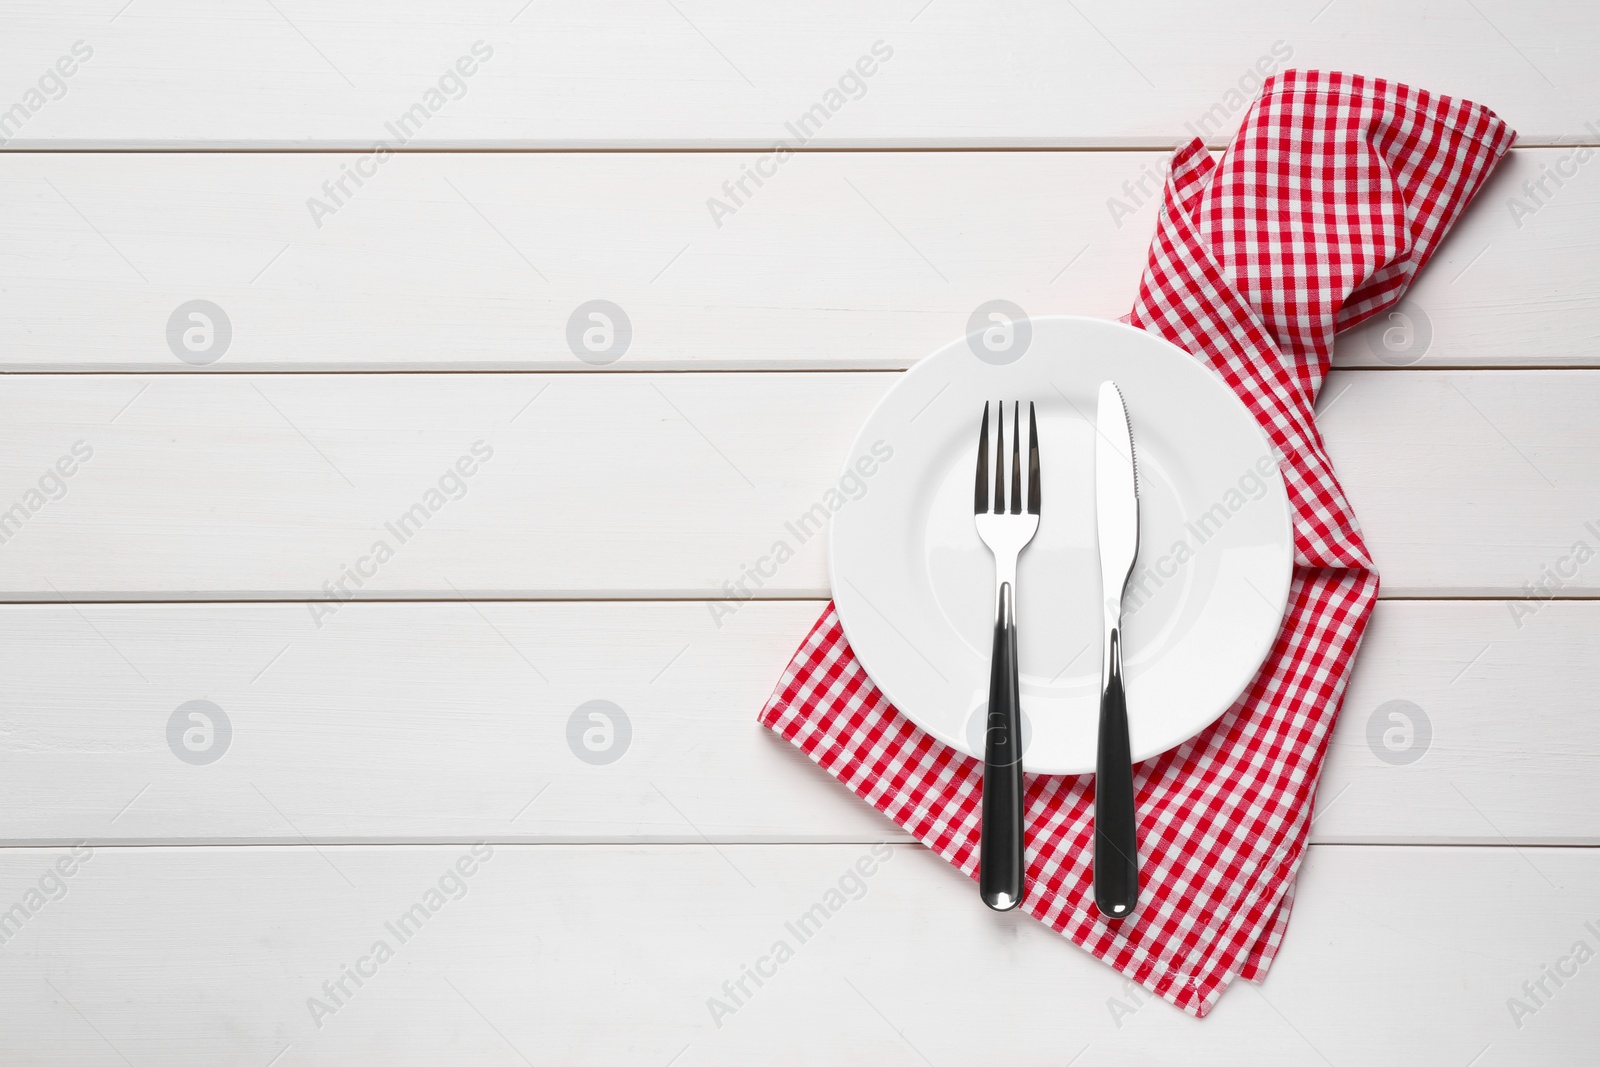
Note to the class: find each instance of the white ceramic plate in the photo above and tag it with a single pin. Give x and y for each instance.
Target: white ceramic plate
(915, 587)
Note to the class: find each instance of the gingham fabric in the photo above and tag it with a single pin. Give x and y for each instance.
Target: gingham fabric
(1333, 194)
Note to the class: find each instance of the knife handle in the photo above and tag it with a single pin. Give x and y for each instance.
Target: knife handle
(1116, 840)
(1001, 864)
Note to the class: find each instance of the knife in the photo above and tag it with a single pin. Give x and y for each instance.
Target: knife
(1116, 509)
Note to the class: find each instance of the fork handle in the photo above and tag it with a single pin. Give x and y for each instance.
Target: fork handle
(1116, 843)
(1001, 867)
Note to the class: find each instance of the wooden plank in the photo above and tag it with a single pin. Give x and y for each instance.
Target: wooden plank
(581, 485)
(247, 487)
(1479, 483)
(611, 954)
(714, 73)
(327, 733)
(1438, 740)
(843, 260)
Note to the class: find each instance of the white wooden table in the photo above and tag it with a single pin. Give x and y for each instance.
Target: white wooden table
(370, 721)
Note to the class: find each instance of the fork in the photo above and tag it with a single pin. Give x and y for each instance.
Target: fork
(1001, 866)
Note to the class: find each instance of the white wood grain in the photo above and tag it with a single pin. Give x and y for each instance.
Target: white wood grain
(721, 73)
(245, 486)
(449, 721)
(842, 260)
(610, 954)
(1480, 483)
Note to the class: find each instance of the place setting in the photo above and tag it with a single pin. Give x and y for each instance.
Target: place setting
(1039, 505)
(1091, 632)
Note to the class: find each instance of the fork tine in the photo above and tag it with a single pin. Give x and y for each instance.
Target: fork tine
(1016, 457)
(980, 503)
(1000, 458)
(1033, 460)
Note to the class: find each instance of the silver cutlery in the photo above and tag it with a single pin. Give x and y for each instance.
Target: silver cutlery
(1007, 531)
(1116, 508)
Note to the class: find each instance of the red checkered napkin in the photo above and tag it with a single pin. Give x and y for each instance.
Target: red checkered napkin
(1333, 194)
